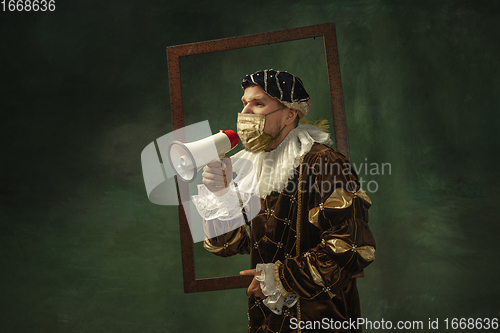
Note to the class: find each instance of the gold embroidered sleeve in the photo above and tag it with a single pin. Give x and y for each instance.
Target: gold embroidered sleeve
(367, 252)
(324, 270)
(337, 210)
(339, 199)
(229, 242)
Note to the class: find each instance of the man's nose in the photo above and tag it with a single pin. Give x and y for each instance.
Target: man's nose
(247, 109)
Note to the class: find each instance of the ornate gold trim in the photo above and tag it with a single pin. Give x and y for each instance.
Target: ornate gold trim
(339, 199)
(216, 249)
(302, 106)
(317, 278)
(265, 80)
(278, 84)
(277, 279)
(297, 228)
(338, 245)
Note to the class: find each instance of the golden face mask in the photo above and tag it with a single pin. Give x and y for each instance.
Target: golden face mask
(251, 131)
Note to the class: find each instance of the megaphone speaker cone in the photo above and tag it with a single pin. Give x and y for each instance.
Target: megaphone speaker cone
(182, 161)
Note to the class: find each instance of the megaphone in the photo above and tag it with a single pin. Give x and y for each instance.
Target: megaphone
(187, 159)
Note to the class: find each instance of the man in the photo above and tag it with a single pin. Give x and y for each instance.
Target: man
(309, 236)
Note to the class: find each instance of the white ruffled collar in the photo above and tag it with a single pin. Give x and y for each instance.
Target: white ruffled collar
(264, 172)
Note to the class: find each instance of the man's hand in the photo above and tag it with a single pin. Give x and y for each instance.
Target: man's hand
(213, 176)
(254, 287)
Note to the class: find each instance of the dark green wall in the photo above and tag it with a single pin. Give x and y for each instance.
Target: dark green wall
(84, 89)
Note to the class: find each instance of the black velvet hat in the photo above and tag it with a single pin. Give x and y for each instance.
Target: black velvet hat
(285, 87)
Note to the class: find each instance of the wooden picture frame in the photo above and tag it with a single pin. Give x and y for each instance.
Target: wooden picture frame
(327, 31)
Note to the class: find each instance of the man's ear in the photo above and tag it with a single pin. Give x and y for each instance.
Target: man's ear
(291, 115)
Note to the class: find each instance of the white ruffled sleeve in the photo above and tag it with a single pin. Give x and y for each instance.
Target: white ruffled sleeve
(225, 207)
(276, 297)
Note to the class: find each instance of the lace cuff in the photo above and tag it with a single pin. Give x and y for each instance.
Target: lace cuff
(276, 297)
(225, 207)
